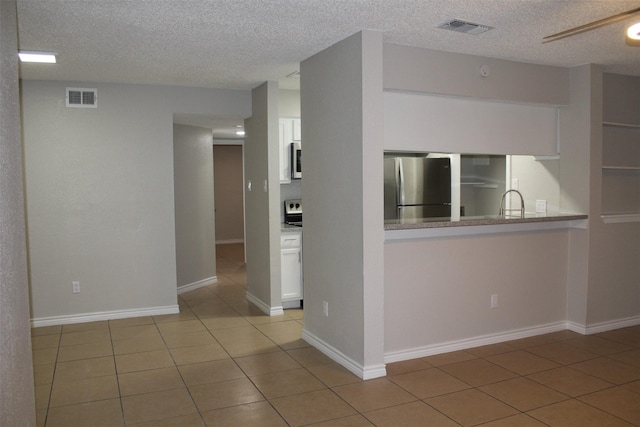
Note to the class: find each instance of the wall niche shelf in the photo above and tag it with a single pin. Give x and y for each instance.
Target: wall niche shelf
(621, 125)
(620, 161)
(620, 218)
(622, 168)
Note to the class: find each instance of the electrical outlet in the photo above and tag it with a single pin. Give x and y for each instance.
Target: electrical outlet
(75, 287)
(494, 300)
(541, 206)
(325, 308)
(515, 183)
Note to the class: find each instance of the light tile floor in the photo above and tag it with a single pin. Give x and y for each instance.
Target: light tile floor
(221, 362)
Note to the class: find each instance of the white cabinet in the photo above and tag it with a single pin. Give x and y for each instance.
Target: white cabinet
(291, 268)
(290, 131)
(297, 129)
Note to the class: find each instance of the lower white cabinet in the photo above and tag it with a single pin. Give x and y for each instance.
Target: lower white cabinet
(291, 266)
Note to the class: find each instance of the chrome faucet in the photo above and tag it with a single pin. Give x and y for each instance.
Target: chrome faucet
(503, 210)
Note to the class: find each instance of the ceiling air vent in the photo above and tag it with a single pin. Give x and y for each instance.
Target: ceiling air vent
(83, 98)
(464, 27)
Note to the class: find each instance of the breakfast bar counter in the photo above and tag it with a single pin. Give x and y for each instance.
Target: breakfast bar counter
(398, 229)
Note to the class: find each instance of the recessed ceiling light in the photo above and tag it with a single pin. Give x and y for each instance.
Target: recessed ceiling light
(633, 32)
(633, 35)
(240, 132)
(40, 57)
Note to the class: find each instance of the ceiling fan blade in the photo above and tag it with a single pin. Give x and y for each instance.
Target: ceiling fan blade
(591, 25)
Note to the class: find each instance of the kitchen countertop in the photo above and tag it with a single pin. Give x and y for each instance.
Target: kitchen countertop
(473, 225)
(398, 224)
(288, 227)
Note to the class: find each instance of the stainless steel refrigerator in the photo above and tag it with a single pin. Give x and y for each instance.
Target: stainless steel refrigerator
(417, 187)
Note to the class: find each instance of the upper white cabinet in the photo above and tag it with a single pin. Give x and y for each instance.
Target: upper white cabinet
(290, 131)
(297, 130)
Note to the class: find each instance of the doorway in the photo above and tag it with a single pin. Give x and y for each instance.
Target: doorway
(228, 193)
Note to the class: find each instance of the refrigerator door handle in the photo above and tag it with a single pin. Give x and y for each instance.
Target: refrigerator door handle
(399, 181)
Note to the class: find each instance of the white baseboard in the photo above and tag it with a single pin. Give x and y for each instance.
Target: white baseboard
(229, 241)
(610, 325)
(364, 372)
(199, 284)
(103, 315)
(446, 347)
(265, 308)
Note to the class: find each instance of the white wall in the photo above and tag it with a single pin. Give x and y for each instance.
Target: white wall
(537, 180)
(262, 204)
(438, 291)
(193, 194)
(420, 122)
(289, 103)
(100, 199)
(436, 72)
(17, 403)
(341, 105)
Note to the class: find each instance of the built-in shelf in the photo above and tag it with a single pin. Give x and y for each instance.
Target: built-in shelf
(622, 168)
(622, 125)
(618, 218)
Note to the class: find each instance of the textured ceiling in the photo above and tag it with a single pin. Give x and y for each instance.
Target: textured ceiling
(241, 43)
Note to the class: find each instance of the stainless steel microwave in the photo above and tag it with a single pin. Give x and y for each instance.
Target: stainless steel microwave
(296, 160)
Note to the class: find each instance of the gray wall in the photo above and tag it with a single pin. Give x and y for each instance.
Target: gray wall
(262, 204)
(17, 403)
(100, 194)
(341, 105)
(193, 194)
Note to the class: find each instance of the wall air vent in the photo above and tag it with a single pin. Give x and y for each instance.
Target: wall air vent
(464, 27)
(82, 98)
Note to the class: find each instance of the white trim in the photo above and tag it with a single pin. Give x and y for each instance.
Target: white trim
(265, 308)
(430, 350)
(229, 241)
(104, 315)
(364, 372)
(609, 325)
(196, 285)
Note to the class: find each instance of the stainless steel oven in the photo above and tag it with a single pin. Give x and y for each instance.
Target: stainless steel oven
(296, 160)
(293, 212)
